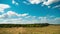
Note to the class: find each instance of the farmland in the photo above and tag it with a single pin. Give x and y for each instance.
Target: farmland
(51, 29)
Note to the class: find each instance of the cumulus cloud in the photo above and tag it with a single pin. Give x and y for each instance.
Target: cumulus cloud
(7, 18)
(55, 20)
(11, 17)
(43, 20)
(27, 19)
(25, 14)
(51, 20)
(3, 7)
(11, 21)
(44, 2)
(12, 14)
(35, 1)
(50, 2)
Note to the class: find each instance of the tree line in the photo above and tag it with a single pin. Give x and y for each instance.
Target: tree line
(25, 25)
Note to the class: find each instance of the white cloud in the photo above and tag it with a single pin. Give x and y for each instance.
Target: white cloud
(57, 6)
(55, 20)
(10, 14)
(35, 1)
(51, 20)
(27, 19)
(14, 2)
(43, 19)
(1, 16)
(3, 7)
(25, 14)
(10, 21)
(44, 2)
(26, 3)
(50, 2)
(7, 18)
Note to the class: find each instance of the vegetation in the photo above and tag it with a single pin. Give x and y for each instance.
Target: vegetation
(24, 25)
(40, 28)
(51, 29)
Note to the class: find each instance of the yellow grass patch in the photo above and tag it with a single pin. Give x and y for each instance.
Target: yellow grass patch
(31, 30)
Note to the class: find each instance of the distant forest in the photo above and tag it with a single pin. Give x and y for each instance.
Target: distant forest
(25, 25)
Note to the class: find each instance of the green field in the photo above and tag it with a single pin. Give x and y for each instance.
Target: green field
(51, 29)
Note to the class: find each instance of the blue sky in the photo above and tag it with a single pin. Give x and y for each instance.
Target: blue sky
(29, 11)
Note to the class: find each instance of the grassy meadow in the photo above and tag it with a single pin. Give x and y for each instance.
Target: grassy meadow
(51, 29)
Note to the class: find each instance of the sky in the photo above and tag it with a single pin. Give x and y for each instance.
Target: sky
(29, 11)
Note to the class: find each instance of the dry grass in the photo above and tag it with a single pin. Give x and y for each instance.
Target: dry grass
(31, 30)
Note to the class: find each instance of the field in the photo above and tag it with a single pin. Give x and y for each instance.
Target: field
(31, 30)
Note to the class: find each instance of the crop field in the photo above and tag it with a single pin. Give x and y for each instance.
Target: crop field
(31, 30)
